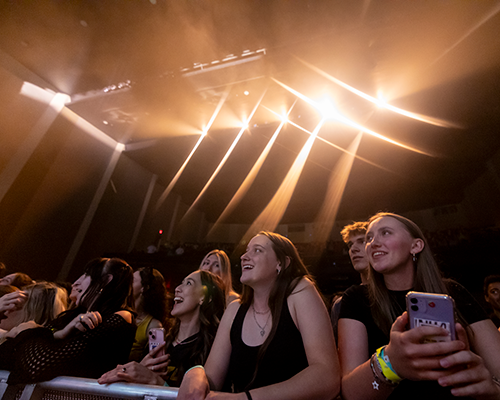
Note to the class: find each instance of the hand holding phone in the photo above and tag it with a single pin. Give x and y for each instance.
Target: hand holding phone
(431, 309)
(157, 337)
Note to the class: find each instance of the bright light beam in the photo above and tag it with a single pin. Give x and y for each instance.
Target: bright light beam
(336, 186)
(172, 183)
(270, 217)
(483, 20)
(382, 104)
(330, 143)
(250, 178)
(349, 122)
(226, 156)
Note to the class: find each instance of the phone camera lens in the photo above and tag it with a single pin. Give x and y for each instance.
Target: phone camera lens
(414, 308)
(153, 337)
(414, 300)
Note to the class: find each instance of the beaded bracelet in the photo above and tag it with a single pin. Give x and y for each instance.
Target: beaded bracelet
(386, 366)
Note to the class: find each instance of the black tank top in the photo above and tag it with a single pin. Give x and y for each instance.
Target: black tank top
(284, 357)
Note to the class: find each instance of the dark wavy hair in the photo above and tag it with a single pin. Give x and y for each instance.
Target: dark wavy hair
(21, 279)
(211, 311)
(154, 294)
(284, 285)
(105, 296)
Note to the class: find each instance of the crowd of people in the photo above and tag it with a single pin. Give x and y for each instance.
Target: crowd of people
(277, 339)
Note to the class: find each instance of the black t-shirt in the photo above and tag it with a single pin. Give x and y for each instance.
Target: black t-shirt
(356, 305)
(180, 359)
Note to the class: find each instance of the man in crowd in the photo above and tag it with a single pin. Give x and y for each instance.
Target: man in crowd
(492, 296)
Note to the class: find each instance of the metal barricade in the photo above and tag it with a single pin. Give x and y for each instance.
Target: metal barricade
(70, 388)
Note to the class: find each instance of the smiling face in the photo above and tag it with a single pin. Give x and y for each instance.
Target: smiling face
(259, 264)
(389, 247)
(79, 287)
(356, 245)
(211, 264)
(188, 296)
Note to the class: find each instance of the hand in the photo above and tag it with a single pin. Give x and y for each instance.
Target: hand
(82, 322)
(469, 376)
(131, 372)
(194, 385)
(411, 358)
(13, 301)
(22, 327)
(154, 363)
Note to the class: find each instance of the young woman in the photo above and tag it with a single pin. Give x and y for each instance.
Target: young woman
(44, 301)
(85, 341)
(217, 262)
(277, 341)
(373, 315)
(198, 306)
(150, 300)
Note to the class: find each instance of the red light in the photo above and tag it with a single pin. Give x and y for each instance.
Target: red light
(432, 304)
(160, 231)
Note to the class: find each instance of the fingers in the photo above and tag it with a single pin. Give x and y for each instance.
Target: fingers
(89, 320)
(462, 335)
(153, 353)
(400, 324)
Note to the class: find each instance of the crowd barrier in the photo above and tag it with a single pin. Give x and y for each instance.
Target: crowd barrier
(70, 388)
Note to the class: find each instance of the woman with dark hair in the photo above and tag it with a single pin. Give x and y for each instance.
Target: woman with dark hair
(85, 341)
(198, 306)
(277, 341)
(218, 263)
(404, 364)
(150, 299)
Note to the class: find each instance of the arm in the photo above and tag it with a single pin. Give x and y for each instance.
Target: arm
(410, 358)
(474, 370)
(321, 379)
(197, 382)
(12, 301)
(131, 372)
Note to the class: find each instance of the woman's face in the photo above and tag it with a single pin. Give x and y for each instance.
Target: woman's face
(189, 295)
(79, 287)
(259, 264)
(8, 279)
(389, 246)
(137, 284)
(211, 264)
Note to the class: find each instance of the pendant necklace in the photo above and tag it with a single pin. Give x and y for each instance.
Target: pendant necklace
(262, 328)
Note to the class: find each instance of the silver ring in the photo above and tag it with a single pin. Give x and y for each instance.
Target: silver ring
(124, 369)
(153, 367)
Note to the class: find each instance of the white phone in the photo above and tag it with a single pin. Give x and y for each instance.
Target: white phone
(431, 309)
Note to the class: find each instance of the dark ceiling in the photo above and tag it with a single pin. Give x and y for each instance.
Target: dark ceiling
(146, 74)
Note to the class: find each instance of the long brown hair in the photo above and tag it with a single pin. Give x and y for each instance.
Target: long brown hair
(285, 283)
(225, 268)
(426, 278)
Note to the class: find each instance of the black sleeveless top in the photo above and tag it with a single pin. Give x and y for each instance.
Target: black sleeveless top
(285, 355)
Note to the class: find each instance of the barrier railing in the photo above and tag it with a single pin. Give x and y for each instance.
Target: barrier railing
(70, 388)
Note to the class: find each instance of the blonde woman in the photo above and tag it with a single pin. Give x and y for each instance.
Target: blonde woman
(217, 262)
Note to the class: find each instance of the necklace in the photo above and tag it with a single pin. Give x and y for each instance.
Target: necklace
(262, 328)
(177, 342)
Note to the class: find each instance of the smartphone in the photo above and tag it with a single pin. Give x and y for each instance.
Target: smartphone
(431, 309)
(156, 337)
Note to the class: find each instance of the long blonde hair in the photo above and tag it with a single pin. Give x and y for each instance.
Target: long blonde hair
(426, 277)
(225, 269)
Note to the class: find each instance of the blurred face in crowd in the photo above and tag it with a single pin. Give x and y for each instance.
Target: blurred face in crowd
(7, 280)
(79, 287)
(211, 264)
(356, 245)
(493, 295)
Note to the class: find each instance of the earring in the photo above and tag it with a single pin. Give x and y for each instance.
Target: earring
(278, 270)
(414, 257)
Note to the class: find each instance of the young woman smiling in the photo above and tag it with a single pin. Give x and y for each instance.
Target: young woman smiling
(199, 303)
(277, 341)
(374, 315)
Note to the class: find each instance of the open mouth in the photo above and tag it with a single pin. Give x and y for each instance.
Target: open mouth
(178, 300)
(246, 267)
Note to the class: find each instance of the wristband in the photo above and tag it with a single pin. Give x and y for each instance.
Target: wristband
(386, 366)
(195, 366)
(249, 397)
(166, 384)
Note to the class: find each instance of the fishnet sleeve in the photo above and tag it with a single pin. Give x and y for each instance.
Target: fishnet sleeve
(40, 357)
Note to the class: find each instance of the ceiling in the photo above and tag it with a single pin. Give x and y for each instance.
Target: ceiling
(151, 74)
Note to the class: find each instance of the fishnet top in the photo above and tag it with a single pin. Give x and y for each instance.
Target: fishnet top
(34, 355)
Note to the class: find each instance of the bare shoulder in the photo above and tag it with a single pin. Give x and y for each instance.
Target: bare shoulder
(304, 286)
(231, 311)
(154, 323)
(126, 315)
